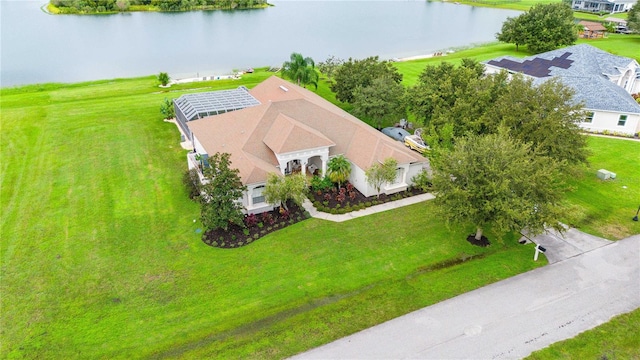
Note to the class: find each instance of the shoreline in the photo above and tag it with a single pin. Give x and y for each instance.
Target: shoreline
(423, 56)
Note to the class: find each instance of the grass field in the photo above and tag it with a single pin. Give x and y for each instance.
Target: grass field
(605, 208)
(616, 339)
(101, 259)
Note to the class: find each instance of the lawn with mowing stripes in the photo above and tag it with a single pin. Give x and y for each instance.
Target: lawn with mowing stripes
(605, 208)
(101, 259)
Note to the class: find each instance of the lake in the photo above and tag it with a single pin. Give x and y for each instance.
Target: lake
(37, 47)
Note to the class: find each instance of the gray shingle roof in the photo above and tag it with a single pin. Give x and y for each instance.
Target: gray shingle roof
(586, 75)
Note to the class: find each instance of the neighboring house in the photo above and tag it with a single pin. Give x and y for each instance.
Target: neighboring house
(591, 30)
(610, 6)
(290, 129)
(603, 82)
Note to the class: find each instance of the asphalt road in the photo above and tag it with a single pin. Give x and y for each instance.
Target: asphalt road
(511, 318)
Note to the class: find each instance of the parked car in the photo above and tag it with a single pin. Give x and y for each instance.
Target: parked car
(621, 29)
(396, 133)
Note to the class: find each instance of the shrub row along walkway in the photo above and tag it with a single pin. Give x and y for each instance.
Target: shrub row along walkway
(368, 211)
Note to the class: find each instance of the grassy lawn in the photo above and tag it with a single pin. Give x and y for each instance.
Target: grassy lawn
(605, 208)
(616, 339)
(101, 259)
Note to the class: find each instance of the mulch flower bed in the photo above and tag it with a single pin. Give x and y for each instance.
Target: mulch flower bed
(257, 226)
(483, 242)
(348, 198)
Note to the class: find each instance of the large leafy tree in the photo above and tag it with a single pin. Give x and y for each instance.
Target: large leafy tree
(361, 73)
(440, 87)
(338, 169)
(301, 70)
(633, 18)
(222, 191)
(279, 189)
(381, 100)
(544, 115)
(513, 31)
(497, 181)
(544, 27)
(381, 173)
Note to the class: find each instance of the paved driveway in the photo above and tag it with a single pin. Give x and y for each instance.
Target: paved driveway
(511, 318)
(564, 246)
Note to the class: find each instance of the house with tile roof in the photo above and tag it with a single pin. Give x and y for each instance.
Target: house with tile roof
(610, 6)
(289, 129)
(591, 30)
(602, 82)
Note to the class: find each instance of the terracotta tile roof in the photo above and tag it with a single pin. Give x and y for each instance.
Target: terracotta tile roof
(288, 135)
(592, 26)
(291, 118)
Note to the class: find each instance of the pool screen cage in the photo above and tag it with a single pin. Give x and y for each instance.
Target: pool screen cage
(196, 106)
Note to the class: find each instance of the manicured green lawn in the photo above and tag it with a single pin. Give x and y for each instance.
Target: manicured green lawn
(101, 259)
(605, 208)
(616, 339)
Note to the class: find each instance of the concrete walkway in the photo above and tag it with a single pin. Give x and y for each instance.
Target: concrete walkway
(511, 318)
(564, 246)
(368, 211)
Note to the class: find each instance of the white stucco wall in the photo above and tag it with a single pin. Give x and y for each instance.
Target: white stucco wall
(247, 201)
(415, 169)
(359, 180)
(198, 146)
(605, 120)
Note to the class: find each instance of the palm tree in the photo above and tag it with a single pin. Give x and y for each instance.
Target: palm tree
(339, 169)
(301, 69)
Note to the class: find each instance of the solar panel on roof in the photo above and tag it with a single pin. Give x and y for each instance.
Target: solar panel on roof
(536, 67)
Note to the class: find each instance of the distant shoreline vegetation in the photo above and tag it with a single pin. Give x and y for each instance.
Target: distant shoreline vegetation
(116, 6)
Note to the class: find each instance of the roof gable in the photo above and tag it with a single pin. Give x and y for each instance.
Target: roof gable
(288, 135)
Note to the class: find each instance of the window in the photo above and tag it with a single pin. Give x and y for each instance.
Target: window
(399, 174)
(257, 196)
(588, 118)
(622, 120)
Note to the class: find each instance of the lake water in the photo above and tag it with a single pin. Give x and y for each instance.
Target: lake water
(37, 47)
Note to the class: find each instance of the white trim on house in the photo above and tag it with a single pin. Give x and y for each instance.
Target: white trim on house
(609, 122)
(610, 6)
